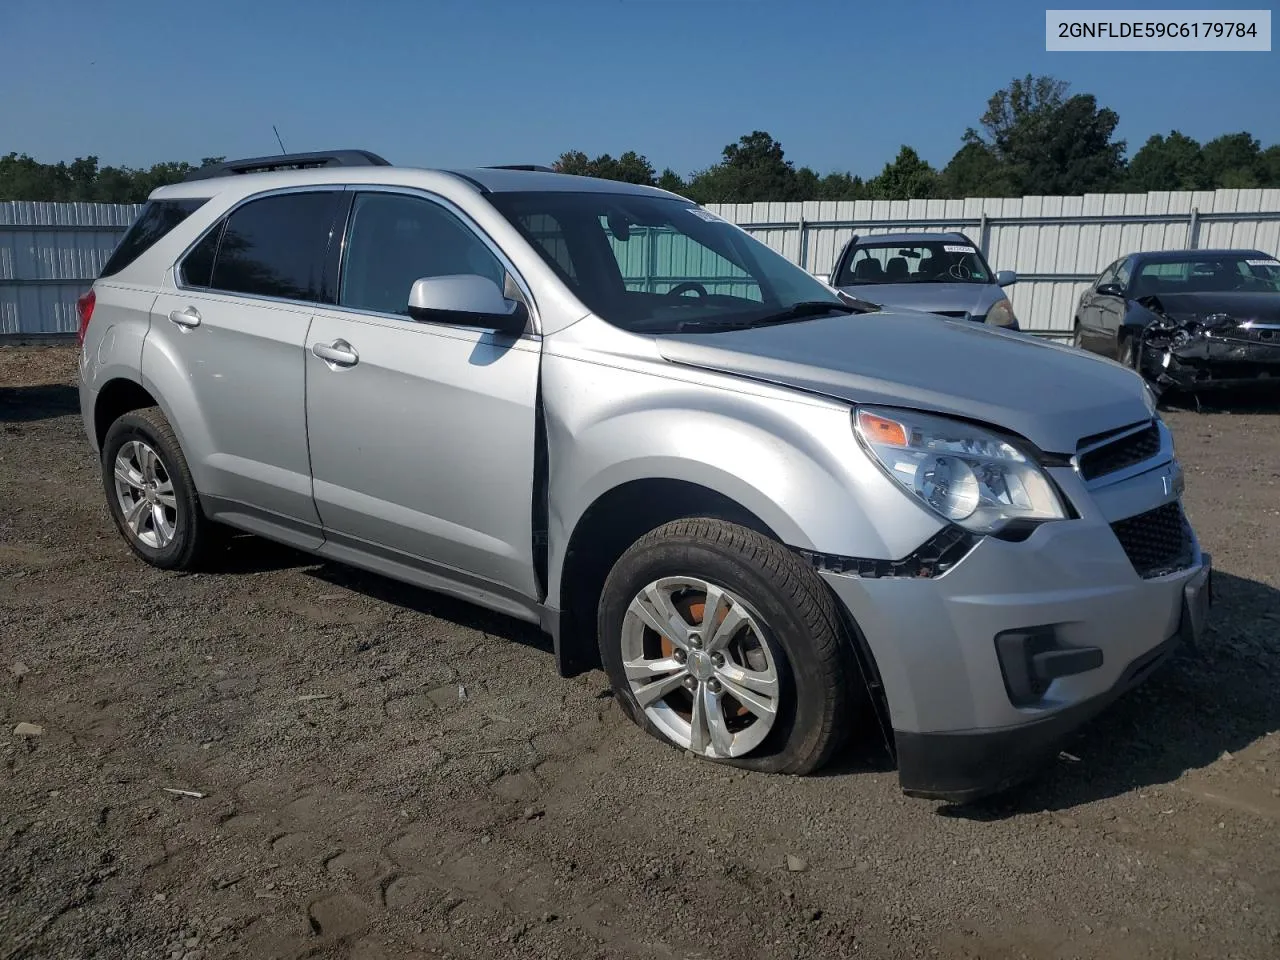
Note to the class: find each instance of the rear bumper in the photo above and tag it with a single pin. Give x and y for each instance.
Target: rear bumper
(88, 396)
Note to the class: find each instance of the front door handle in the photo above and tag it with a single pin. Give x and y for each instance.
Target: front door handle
(186, 317)
(340, 353)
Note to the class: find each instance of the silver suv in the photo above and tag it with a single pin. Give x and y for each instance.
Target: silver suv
(770, 512)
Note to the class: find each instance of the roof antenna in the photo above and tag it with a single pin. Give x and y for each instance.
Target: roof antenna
(278, 140)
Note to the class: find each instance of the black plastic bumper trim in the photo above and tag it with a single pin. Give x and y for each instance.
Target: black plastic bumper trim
(963, 767)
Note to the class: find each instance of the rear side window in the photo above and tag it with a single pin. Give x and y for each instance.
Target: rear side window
(275, 247)
(157, 219)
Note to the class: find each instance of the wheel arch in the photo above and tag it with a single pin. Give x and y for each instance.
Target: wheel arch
(115, 398)
(614, 521)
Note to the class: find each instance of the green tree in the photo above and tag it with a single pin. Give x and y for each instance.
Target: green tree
(1048, 143)
(1078, 154)
(1234, 160)
(976, 171)
(1168, 163)
(1269, 163)
(24, 178)
(755, 168)
(631, 167)
(670, 180)
(906, 178)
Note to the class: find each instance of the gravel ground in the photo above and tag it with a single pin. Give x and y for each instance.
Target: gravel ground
(386, 773)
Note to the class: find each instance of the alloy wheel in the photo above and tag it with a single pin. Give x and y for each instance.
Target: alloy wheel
(145, 494)
(700, 666)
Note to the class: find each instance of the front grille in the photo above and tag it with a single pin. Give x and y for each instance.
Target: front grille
(1156, 542)
(1120, 453)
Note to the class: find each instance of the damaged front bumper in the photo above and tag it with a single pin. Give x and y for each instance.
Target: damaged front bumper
(1214, 351)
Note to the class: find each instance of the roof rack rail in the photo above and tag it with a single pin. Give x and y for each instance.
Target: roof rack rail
(289, 161)
(521, 166)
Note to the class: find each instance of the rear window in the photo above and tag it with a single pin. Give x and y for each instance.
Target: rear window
(157, 219)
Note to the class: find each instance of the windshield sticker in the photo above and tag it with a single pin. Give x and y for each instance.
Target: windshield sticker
(956, 248)
(706, 215)
(1263, 263)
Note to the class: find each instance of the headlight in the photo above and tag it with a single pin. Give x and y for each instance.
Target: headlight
(1001, 314)
(965, 474)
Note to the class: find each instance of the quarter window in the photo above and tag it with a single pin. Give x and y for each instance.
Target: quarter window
(395, 240)
(275, 247)
(197, 266)
(156, 220)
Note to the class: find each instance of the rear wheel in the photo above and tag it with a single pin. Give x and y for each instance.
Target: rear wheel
(150, 493)
(722, 642)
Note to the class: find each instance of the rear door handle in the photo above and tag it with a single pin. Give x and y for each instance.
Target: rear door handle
(186, 317)
(340, 353)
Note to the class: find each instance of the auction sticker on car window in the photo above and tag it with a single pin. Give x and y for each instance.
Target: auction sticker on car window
(956, 248)
(1263, 263)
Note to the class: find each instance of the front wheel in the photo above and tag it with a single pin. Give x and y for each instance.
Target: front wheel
(722, 642)
(1077, 337)
(1127, 353)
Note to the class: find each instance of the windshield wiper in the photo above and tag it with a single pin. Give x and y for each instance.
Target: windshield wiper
(803, 310)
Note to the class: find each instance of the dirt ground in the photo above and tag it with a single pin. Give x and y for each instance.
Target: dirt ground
(388, 774)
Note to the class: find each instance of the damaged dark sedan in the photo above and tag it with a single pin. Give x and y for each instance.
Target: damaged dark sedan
(1187, 319)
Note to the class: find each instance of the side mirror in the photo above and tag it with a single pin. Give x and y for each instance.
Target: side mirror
(1006, 278)
(1110, 290)
(468, 300)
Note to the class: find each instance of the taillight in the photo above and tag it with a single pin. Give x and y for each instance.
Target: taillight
(84, 307)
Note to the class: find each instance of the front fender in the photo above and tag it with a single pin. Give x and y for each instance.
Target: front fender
(790, 459)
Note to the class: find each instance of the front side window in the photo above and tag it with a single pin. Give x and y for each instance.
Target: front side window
(652, 264)
(157, 219)
(275, 247)
(919, 261)
(395, 240)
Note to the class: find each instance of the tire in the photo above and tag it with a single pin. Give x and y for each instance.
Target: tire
(1126, 352)
(183, 540)
(787, 627)
(1077, 336)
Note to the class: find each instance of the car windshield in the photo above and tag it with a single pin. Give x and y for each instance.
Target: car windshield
(652, 264)
(944, 260)
(1208, 273)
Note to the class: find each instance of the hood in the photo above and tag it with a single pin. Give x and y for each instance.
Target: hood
(974, 298)
(1050, 394)
(1241, 307)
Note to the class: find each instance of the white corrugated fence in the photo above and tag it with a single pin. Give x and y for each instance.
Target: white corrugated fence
(50, 252)
(1056, 244)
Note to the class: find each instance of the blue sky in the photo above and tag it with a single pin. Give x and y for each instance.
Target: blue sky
(458, 82)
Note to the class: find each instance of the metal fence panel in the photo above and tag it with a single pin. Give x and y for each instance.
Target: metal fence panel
(49, 255)
(1056, 244)
(49, 252)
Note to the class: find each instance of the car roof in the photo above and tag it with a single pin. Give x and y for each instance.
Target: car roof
(911, 237)
(481, 179)
(1158, 256)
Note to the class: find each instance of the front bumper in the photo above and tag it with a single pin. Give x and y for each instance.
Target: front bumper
(1205, 362)
(962, 727)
